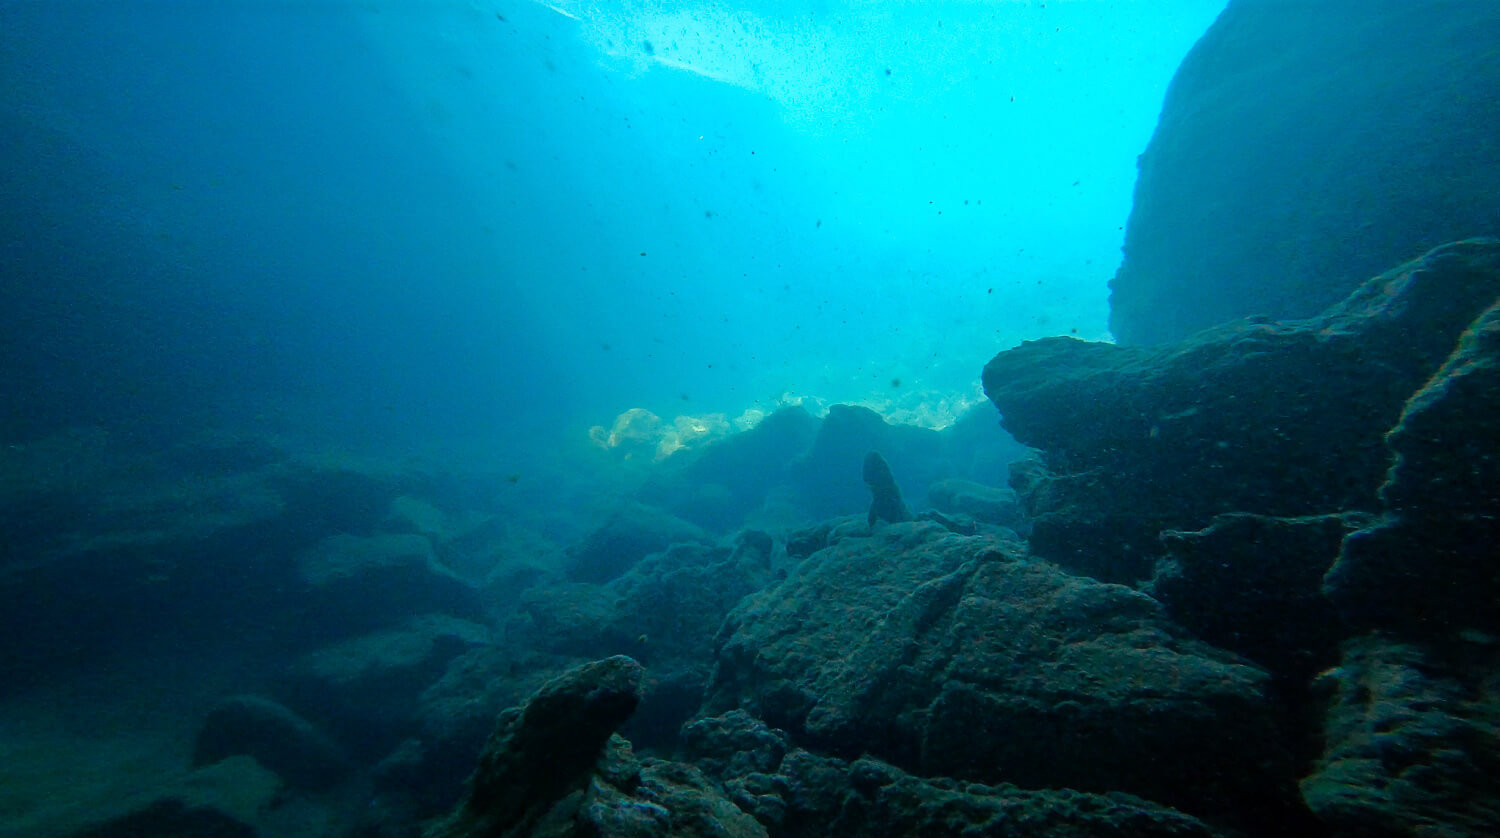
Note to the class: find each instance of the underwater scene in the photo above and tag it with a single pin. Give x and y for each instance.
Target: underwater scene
(799, 419)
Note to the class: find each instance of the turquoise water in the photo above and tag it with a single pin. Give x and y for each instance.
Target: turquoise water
(423, 220)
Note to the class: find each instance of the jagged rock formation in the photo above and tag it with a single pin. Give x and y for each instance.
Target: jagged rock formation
(799, 794)
(1303, 147)
(275, 737)
(1311, 494)
(544, 752)
(1282, 419)
(885, 501)
(555, 769)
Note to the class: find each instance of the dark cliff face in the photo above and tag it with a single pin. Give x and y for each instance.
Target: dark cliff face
(1305, 147)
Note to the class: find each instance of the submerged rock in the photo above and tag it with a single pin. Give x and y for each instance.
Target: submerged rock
(556, 768)
(1428, 566)
(1413, 746)
(353, 584)
(295, 749)
(885, 503)
(630, 534)
(719, 485)
(172, 817)
(1253, 584)
(798, 794)
(543, 754)
(825, 475)
(985, 504)
(1279, 419)
(1303, 147)
(664, 612)
(366, 689)
(954, 656)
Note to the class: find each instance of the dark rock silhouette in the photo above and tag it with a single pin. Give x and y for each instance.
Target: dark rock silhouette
(555, 769)
(886, 503)
(824, 475)
(1303, 148)
(744, 467)
(1411, 738)
(954, 656)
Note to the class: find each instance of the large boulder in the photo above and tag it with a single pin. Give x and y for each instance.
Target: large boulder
(1281, 419)
(294, 748)
(542, 755)
(353, 584)
(1253, 584)
(956, 656)
(1303, 147)
(719, 485)
(631, 532)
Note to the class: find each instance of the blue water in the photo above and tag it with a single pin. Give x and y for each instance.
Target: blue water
(414, 220)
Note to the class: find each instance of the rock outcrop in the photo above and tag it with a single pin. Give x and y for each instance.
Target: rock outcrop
(1303, 147)
(277, 738)
(544, 752)
(555, 769)
(1317, 494)
(1429, 564)
(799, 794)
(956, 656)
(1280, 419)
(1413, 746)
(885, 501)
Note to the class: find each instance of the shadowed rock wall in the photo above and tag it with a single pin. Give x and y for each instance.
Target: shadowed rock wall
(1304, 147)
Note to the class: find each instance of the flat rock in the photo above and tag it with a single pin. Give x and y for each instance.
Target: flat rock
(986, 504)
(795, 792)
(954, 656)
(631, 533)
